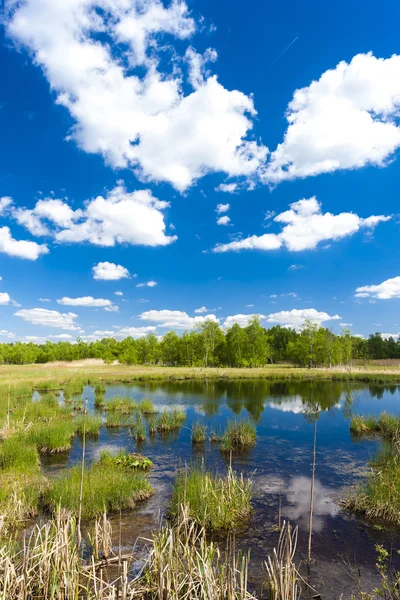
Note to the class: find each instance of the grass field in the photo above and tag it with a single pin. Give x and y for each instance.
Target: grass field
(57, 375)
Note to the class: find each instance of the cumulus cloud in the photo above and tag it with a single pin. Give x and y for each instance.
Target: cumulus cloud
(385, 290)
(20, 248)
(5, 202)
(242, 320)
(345, 120)
(202, 309)
(225, 220)
(85, 301)
(135, 332)
(295, 318)
(386, 336)
(229, 188)
(118, 293)
(304, 227)
(9, 335)
(102, 59)
(49, 318)
(175, 319)
(4, 298)
(120, 217)
(108, 271)
(222, 208)
(149, 284)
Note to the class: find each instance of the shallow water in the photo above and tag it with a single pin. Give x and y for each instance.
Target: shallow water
(280, 466)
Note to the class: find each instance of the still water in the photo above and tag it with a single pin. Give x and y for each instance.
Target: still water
(279, 465)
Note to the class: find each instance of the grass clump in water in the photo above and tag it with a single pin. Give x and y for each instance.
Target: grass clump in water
(117, 420)
(106, 486)
(121, 405)
(239, 435)
(199, 433)
(212, 501)
(100, 388)
(146, 407)
(170, 420)
(90, 423)
(139, 428)
(385, 425)
(52, 437)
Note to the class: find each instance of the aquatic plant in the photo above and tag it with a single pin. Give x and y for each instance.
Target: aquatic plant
(170, 420)
(146, 407)
(111, 489)
(199, 433)
(239, 435)
(90, 423)
(386, 425)
(100, 388)
(212, 501)
(139, 428)
(116, 420)
(122, 405)
(52, 437)
(283, 577)
(99, 401)
(126, 460)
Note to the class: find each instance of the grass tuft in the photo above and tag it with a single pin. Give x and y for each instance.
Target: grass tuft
(123, 406)
(212, 501)
(199, 433)
(239, 435)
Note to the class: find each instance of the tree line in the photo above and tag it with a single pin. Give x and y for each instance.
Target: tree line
(210, 346)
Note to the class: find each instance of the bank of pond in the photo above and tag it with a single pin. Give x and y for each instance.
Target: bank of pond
(226, 467)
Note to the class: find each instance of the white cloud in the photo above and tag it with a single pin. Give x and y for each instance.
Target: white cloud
(149, 284)
(108, 271)
(120, 217)
(387, 289)
(225, 220)
(48, 318)
(295, 318)
(4, 298)
(118, 293)
(5, 202)
(249, 305)
(386, 336)
(7, 334)
(305, 226)
(222, 208)
(295, 267)
(84, 301)
(229, 188)
(175, 319)
(44, 299)
(111, 308)
(20, 248)
(61, 336)
(104, 334)
(346, 324)
(138, 117)
(242, 320)
(135, 332)
(202, 309)
(345, 120)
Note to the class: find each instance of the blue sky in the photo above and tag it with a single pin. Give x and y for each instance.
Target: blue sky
(125, 124)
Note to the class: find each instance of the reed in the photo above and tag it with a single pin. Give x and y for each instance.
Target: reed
(146, 407)
(282, 575)
(122, 405)
(212, 501)
(139, 428)
(117, 420)
(92, 424)
(170, 420)
(385, 425)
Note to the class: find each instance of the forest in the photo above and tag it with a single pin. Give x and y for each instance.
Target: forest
(210, 346)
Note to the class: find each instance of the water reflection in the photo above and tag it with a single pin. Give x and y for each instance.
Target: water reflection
(298, 494)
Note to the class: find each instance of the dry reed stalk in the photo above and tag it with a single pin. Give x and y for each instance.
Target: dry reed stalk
(281, 569)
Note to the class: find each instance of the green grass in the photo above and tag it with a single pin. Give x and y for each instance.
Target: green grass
(139, 428)
(212, 501)
(51, 438)
(18, 455)
(91, 423)
(73, 388)
(117, 420)
(106, 486)
(99, 401)
(385, 425)
(146, 407)
(100, 388)
(239, 435)
(122, 405)
(199, 433)
(170, 420)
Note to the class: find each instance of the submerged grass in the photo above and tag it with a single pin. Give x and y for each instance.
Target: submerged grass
(212, 501)
(106, 486)
(239, 435)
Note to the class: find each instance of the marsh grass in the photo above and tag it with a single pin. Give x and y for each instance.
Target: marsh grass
(139, 428)
(106, 486)
(239, 435)
(170, 420)
(91, 423)
(199, 433)
(127, 460)
(100, 388)
(73, 387)
(121, 405)
(385, 425)
(212, 501)
(146, 407)
(53, 437)
(117, 420)
(99, 401)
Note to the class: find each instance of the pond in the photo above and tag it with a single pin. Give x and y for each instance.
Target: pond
(279, 465)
